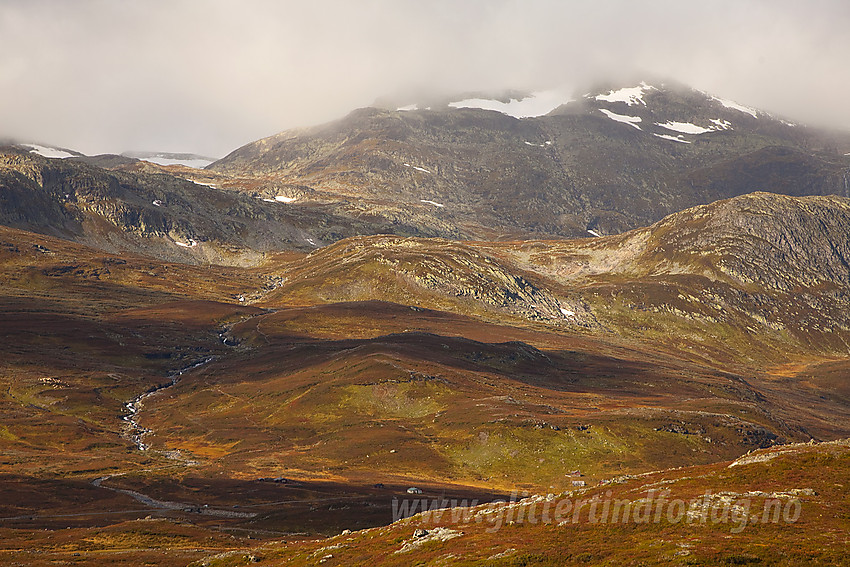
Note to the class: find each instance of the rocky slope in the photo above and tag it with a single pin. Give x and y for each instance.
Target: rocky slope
(150, 210)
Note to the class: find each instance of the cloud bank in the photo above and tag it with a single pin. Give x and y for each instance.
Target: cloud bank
(209, 75)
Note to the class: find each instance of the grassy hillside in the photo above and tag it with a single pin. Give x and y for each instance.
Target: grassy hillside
(783, 506)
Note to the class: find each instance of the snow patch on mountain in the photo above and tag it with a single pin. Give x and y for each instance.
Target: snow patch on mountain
(436, 204)
(735, 106)
(284, 199)
(417, 168)
(538, 104)
(167, 158)
(689, 128)
(630, 120)
(630, 95)
(407, 108)
(193, 163)
(48, 152)
(721, 124)
(684, 127)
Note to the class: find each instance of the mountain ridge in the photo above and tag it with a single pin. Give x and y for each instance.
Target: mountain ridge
(457, 173)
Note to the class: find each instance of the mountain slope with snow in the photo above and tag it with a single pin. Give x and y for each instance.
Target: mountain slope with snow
(611, 160)
(47, 151)
(168, 158)
(533, 105)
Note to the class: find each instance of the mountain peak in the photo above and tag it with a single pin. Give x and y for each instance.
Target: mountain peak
(673, 112)
(618, 102)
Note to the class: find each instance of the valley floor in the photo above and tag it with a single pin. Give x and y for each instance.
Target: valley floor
(160, 413)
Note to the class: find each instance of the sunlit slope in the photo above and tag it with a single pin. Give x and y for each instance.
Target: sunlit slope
(753, 280)
(783, 506)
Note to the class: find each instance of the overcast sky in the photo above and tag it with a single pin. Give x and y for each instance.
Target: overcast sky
(207, 76)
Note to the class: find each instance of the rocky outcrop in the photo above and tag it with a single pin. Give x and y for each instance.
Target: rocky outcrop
(761, 240)
(432, 273)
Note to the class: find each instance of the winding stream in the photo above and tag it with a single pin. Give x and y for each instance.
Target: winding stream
(135, 432)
